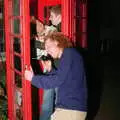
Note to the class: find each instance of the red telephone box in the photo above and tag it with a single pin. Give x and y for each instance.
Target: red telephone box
(17, 37)
(17, 57)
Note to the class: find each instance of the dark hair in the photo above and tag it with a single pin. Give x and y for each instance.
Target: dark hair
(63, 41)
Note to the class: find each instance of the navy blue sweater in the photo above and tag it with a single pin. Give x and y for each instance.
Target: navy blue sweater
(70, 80)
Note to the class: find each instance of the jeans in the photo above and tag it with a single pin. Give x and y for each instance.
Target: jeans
(48, 104)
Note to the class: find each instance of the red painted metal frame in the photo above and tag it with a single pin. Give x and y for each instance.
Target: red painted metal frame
(83, 23)
(68, 19)
(25, 58)
(81, 18)
(27, 109)
(7, 5)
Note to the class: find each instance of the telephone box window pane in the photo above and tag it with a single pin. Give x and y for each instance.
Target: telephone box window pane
(18, 98)
(45, 12)
(18, 105)
(18, 80)
(16, 8)
(16, 26)
(19, 114)
(17, 63)
(16, 45)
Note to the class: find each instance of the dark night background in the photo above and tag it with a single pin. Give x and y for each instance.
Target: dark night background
(103, 59)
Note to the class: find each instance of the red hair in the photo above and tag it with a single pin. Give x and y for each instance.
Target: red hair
(63, 41)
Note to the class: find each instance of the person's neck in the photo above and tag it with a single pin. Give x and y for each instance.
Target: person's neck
(58, 22)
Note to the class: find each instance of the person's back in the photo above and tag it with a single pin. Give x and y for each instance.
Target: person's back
(70, 80)
(73, 90)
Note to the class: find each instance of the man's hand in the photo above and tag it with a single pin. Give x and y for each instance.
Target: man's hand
(29, 74)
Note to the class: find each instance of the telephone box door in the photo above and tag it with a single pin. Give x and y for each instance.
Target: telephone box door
(17, 57)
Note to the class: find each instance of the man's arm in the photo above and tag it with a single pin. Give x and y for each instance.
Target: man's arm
(57, 78)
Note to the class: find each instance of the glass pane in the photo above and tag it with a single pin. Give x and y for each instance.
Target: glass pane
(45, 12)
(18, 97)
(16, 26)
(46, 15)
(17, 63)
(18, 105)
(16, 7)
(19, 114)
(16, 45)
(18, 80)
